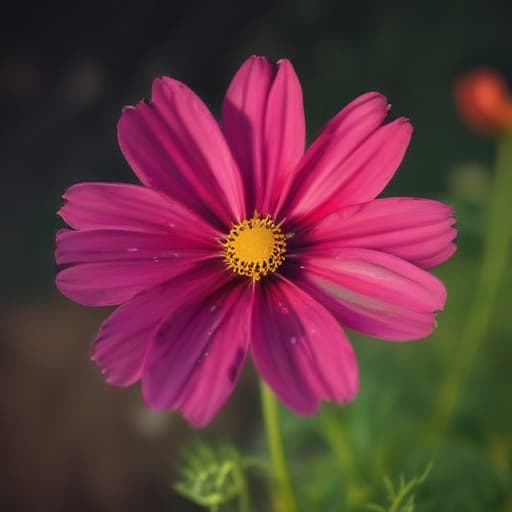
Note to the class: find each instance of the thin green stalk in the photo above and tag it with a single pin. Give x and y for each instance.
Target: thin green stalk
(494, 261)
(338, 438)
(283, 496)
(244, 504)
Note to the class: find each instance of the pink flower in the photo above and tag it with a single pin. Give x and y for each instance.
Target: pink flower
(238, 241)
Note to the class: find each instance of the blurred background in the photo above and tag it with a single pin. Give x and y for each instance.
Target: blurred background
(70, 442)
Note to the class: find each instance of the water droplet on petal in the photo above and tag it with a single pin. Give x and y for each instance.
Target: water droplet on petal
(293, 340)
(132, 249)
(283, 308)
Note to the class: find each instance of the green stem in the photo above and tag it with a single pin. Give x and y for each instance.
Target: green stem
(244, 504)
(338, 438)
(494, 261)
(283, 496)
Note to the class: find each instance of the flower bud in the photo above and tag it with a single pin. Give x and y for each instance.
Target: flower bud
(484, 101)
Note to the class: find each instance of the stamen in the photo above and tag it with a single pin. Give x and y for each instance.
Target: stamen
(255, 247)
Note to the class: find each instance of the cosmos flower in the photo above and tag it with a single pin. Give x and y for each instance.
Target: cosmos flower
(238, 242)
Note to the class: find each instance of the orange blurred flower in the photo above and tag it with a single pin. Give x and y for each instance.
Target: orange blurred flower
(484, 101)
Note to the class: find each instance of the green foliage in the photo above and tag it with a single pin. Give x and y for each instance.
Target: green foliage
(402, 497)
(213, 477)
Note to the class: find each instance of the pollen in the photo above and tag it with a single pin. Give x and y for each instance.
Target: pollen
(255, 247)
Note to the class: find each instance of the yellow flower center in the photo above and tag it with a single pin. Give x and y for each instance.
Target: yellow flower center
(255, 247)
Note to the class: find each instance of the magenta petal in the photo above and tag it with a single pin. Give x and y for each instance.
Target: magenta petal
(117, 245)
(341, 180)
(242, 119)
(284, 132)
(370, 168)
(375, 293)
(263, 119)
(130, 207)
(417, 230)
(300, 349)
(357, 119)
(199, 351)
(113, 282)
(111, 266)
(124, 337)
(342, 135)
(438, 258)
(175, 145)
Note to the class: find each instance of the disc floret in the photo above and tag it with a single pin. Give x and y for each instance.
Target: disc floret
(255, 247)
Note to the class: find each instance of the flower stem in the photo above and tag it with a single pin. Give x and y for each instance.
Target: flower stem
(494, 261)
(338, 438)
(283, 495)
(244, 504)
